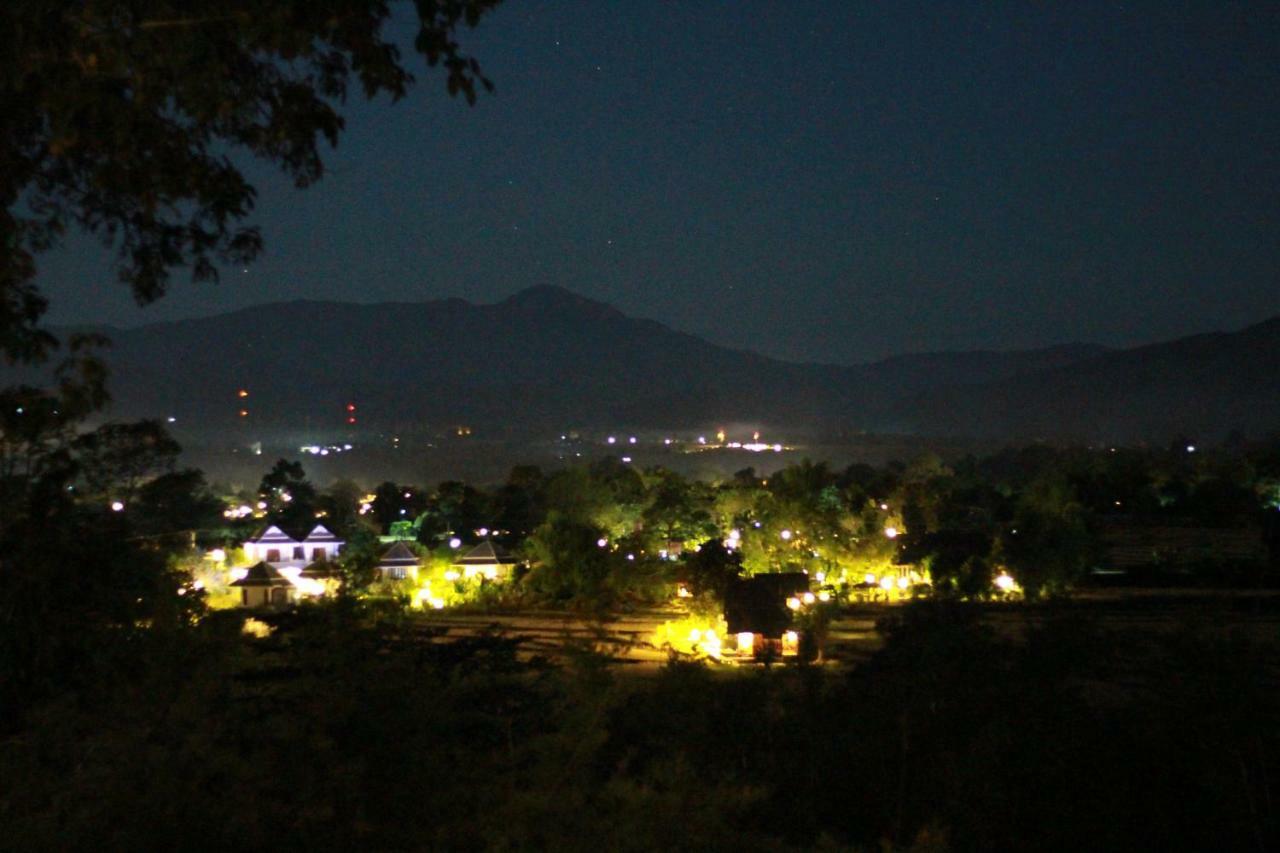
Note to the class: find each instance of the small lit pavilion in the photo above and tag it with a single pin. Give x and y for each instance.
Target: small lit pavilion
(485, 560)
(264, 586)
(398, 562)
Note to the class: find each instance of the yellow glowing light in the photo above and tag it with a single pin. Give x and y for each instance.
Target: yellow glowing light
(793, 603)
(720, 436)
(1005, 583)
(695, 635)
(891, 532)
(886, 583)
(808, 598)
(824, 596)
(790, 643)
(869, 578)
(785, 535)
(746, 642)
(903, 583)
(218, 555)
(682, 591)
(451, 575)
(256, 628)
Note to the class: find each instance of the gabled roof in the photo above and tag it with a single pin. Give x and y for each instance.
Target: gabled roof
(320, 533)
(263, 574)
(274, 536)
(398, 555)
(485, 554)
(319, 569)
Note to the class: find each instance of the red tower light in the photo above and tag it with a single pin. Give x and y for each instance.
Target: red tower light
(351, 407)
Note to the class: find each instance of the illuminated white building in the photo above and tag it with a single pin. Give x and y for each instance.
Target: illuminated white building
(278, 548)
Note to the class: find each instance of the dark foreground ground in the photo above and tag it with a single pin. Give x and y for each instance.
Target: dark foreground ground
(1122, 723)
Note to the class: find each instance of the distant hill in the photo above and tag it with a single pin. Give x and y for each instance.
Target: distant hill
(547, 358)
(1202, 387)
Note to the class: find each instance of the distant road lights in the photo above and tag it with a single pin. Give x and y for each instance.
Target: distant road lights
(117, 506)
(1191, 448)
(631, 440)
(884, 506)
(611, 440)
(602, 542)
(891, 532)
(455, 543)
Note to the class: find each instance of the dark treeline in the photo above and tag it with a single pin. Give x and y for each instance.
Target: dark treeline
(344, 729)
(134, 717)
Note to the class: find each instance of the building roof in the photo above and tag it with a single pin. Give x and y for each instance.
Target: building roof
(485, 554)
(319, 569)
(273, 535)
(398, 555)
(320, 533)
(263, 574)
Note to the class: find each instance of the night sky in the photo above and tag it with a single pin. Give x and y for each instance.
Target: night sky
(821, 181)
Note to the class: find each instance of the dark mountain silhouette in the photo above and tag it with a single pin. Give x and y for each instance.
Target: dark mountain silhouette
(548, 358)
(1204, 387)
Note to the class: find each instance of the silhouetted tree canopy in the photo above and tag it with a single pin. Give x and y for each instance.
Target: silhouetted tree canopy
(122, 117)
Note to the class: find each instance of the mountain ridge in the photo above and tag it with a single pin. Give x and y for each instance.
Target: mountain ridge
(546, 357)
